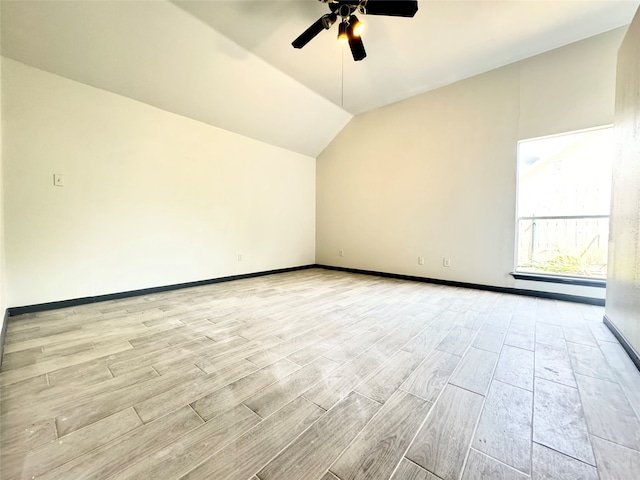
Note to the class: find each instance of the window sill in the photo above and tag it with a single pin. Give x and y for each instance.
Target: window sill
(566, 280)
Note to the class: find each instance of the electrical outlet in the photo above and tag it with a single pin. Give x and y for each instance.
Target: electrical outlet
(420, 260)
(239, 257)
(446, 262)
(341, 252)
(58, 180)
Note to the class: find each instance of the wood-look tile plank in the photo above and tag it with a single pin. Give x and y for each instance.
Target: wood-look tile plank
(379, 447)
(588, 360)
(410, 471)
(388, 378)
(625, 371)
(615, 462)
(210, 361)
(57, 399)
(348, 350)
(94, 367)
(180, 350)
(426, 341)
(504, 430)
(115, 456)
(97, 408)
(307, 355)
(406, 331)
(108, 331)
(311, 454)
(89, 375)
(58, 452)
(472, 320)
(558, 420)
(192, 449)
(601, 332)
(24, 388)
(475, 370)
(21, 358)
(447, 317)
(515, 367)
(16, 443)
(521, 336)
(275, 396)
(490, 338)
(443, 441)
(185, 393)
(328, 476)
(13, 376)
(337, 385)
(553, 364)
(608, 412)
(551, 335)
(245, 456)
(481, 467)
(283, 349)
(548, 464)
(546, 311)
(162, 335)
(231, 395)
(32, 434)
(580, 334)
(430, 377)
(524, 312)
(499, 319)
(456, 341)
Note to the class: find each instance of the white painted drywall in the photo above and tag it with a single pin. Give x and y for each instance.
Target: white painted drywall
(623, 292)
(3, 283)
(435, 175)
(569, 88)
(150, 198)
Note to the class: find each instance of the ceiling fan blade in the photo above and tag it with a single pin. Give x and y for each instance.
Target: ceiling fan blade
(356, 45)
(393, 8)
(309, 34)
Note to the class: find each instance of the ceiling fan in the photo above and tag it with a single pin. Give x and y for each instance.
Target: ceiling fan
(350, 27)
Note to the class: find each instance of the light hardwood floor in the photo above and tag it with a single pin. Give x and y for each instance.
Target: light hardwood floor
(319, 375)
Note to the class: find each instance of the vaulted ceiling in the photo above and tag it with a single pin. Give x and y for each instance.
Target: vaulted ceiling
(230, 63)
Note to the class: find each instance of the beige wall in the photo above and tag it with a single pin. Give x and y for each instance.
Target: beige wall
(623, 292)
(3, 283)
(435, 175)
(150, 198)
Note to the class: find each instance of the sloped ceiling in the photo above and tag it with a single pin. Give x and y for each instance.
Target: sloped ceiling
(230, 63)
(161, 55)
(446, 41)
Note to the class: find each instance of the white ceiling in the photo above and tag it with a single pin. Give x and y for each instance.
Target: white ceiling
(231, 64)
(446, 41)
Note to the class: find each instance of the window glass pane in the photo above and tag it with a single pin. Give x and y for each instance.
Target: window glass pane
(564, 190)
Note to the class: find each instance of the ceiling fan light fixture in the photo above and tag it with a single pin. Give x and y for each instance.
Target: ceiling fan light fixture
(356, 25)
(328, 20)
(355, 44)
(343, 37)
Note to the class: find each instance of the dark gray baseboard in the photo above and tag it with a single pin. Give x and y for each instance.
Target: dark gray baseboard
(41, 307)
(3, 330)
(632, 352)
(476, 286)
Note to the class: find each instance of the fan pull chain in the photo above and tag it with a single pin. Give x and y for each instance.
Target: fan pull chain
(342, 76)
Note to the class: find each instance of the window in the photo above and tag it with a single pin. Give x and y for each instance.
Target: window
(564, 191)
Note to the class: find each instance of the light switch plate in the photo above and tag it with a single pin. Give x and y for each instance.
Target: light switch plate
(58, 180)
